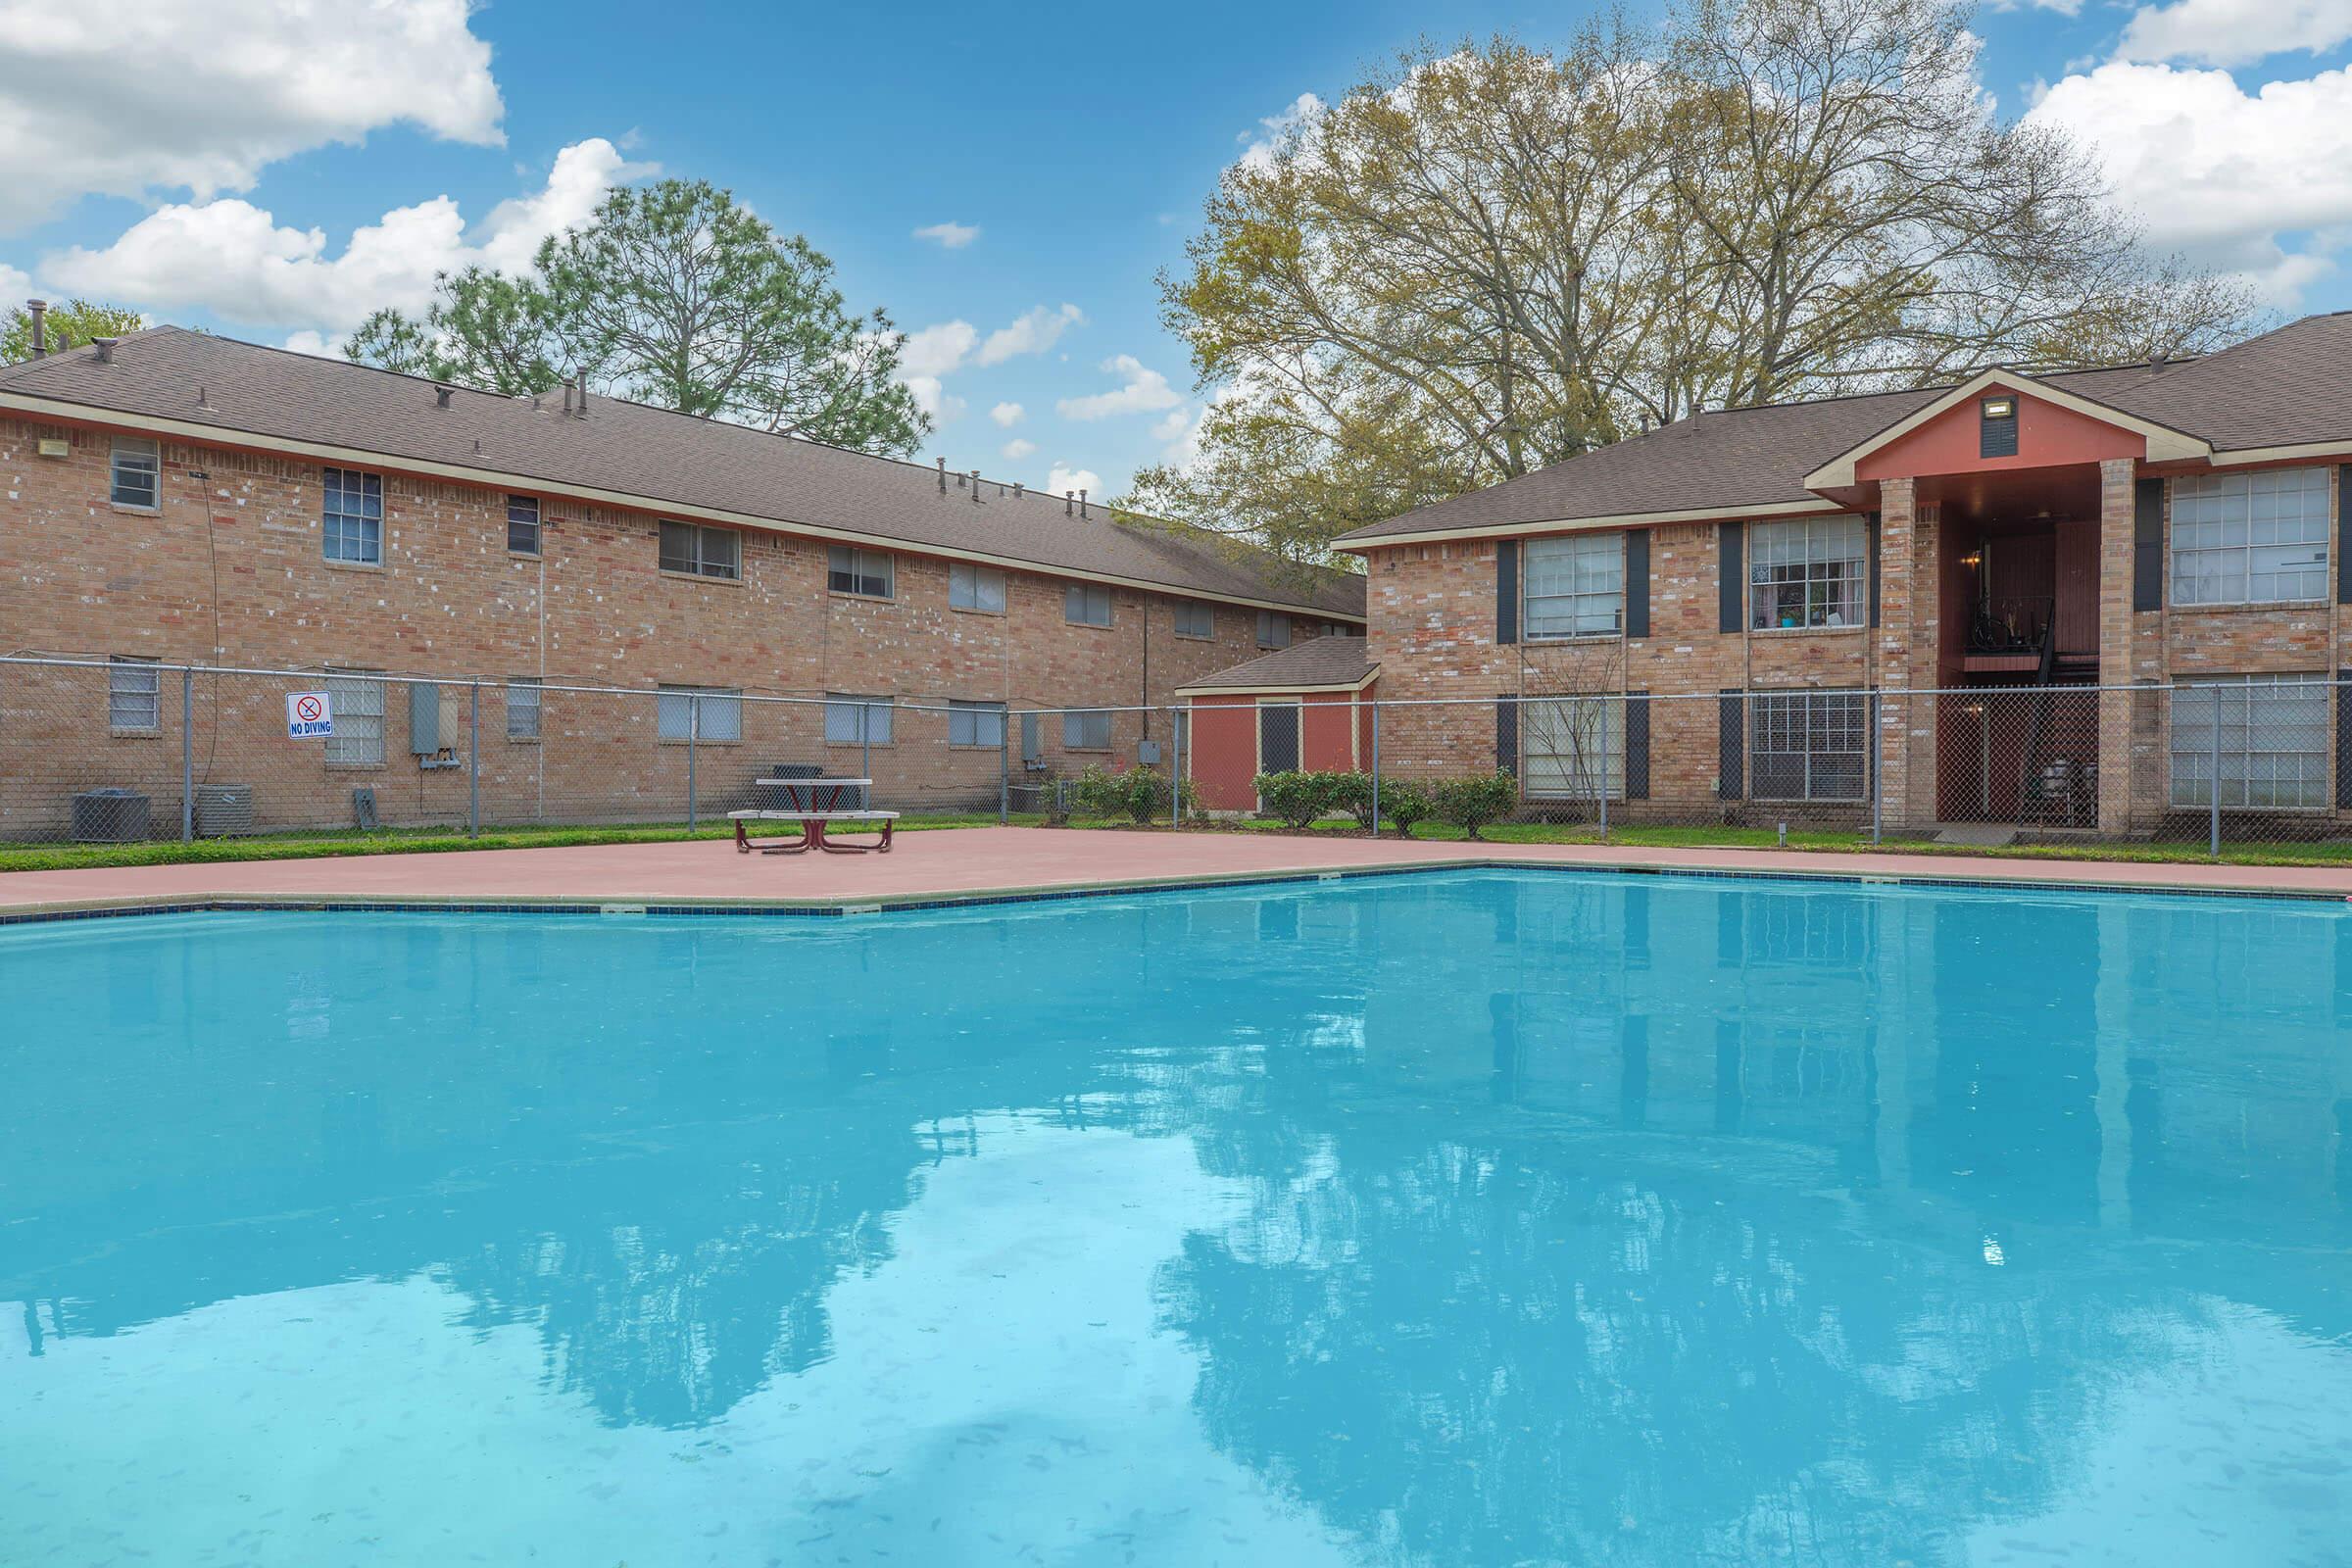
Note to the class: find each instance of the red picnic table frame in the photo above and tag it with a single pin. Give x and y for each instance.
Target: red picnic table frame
(823, 804)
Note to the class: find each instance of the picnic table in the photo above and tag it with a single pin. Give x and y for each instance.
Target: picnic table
(815, 804)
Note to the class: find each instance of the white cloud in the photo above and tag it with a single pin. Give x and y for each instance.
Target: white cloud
(2223, 176)
(14, 288)
(944, 406)
(1033, 332)
(1063, 479)
(949, 236)
(2064, 8)
(1006, 415)
(1144, 392)
(232, 260)
(123, 97)
(934, 351)
(1016, 449)
(1258, 146)
(2234, 33)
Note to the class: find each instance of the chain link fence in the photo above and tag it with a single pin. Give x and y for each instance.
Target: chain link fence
(123, 751)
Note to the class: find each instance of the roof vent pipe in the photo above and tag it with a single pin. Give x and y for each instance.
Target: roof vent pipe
(568, 396)
(942, 476)
(1081, 503)
(201, 401)
(37, 311)
(106, 349)
(583, 394)
(1069, 502)
(1016, 489)
(975, 487)
(440, 397)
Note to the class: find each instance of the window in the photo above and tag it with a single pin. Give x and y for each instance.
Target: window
(2275, 735)
(352, 523)
(870, 574)
(1576, 586)
(357, 705)
(2250, 538)
(700, 712)
(1273, 629)
(856, 721)
(522, 709)
(700, 552)
(522, 525)
(1808, 746)
(1086, 604)
(1086, 730)
(133, 697)
(1570, 747)
(1997, 427)
(1806, 574)
(1196, 619)
(974, 588)
(977, 724)
(137, 468)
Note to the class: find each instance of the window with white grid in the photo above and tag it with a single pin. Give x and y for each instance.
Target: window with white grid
(357, 704)
(977, 724)
(856, 721)
(700, 712)
(133, 696)
(970, 587)
(136, 472)
(1808, 572)
(1574, 586)
(2272, 734)
(2250, 538)
(522, 709)
(1570, 747)
(1808, 746)
(350, 517)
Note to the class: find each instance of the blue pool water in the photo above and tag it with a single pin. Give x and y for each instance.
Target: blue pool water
(1474, 1218)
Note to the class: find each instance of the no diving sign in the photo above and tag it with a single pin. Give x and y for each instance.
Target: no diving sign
(309, 713)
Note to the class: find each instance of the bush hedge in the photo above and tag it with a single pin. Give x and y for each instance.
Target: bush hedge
(1297, 800)
(1138, 793)
(1470, 804)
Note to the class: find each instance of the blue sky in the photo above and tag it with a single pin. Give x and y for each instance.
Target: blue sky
(271, 172)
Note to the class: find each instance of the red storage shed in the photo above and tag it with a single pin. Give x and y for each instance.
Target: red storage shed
(1306, 706)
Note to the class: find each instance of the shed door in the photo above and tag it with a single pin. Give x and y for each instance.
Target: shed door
(1278, 737)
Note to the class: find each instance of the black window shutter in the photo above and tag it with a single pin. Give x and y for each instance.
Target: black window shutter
(1636, 746)
(1507, 591)
(1732, 741)
(1506, 734)
(2343, 741)
(2148, 544)
(1637, 582)
(1734, 585)
(1873, 568)
(2343, 532)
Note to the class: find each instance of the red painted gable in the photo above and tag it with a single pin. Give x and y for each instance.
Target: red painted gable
(2047, 435)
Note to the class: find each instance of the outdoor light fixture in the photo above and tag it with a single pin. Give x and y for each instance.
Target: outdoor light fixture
(1999, 407)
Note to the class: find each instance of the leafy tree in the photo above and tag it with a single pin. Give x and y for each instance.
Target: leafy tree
(673, 294)
(1489, 259)
(68, 326)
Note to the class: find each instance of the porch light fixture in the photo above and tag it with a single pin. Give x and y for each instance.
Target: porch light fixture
(2000, 408)
(1997, 427)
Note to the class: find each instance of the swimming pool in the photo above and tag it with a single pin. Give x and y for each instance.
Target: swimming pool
(1465, 1217)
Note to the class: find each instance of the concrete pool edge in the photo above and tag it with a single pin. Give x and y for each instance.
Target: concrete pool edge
(671, 905)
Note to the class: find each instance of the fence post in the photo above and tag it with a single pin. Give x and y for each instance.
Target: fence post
(1604, 769)
(1004, 767)
(1175, 771)
(473, 761)
(866, 750)
(2213, 826)
(188, 755)
(1878, 769)
(1376, 767)
(694, 730)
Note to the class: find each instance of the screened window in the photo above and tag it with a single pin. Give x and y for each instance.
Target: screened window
(1086, 604)
(1086, 730)
(522, 709)
(975, 588)
(852, 720)
(133, 696)
(351, 519)
(1196, 619)
(136, 474)
(523, 525)
(1273, 629)
(977, 724)
(701, 552)
(1810, 572)
(2274, 732)
(2250, 538)
(357, 702)
(700, 712)
(1576, 586)
(1808, 746)
(1572, 746)
(870, 573)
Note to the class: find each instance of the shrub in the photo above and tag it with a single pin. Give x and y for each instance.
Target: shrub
(1405, 803)
(1352, 792)
(1470, 804)
(1139, 794)
(1294, 799)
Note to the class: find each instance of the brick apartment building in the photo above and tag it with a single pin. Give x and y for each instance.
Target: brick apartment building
(2148, 525)
(177, 498)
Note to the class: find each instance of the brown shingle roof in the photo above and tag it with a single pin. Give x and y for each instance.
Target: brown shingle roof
(1318, 661)
(2286, 387)
(653, 456)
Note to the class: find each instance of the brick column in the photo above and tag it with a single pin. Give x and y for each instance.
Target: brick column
(2117, 663)
(1905, 645)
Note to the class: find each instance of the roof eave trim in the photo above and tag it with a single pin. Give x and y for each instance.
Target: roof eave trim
(494, 479)
(2164, 443)
(1280, 688)
(2283, 454)
(1359, 542)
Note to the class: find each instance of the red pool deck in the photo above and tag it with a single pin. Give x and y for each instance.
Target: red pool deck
(969, 863)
